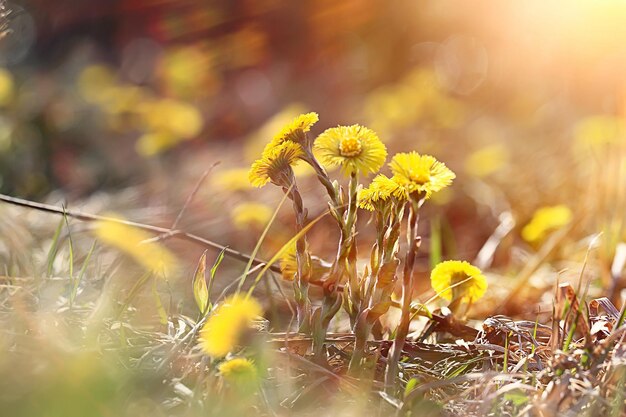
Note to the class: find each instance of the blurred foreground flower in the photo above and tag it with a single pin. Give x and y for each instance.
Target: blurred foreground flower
(239, 371)
(222, 331)
(255, 215)
(545, 220)
(419, 173)
(130, 240)
(355, 148)
(468, 281)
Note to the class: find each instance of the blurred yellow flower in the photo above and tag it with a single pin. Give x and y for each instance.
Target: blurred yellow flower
(153, 143)
(130, 240)
(222, 331)
(294, 131)
(275, 165)
(167, 122)
(380, 190)
(545, 220)
(419, 173)
(255, 215)
(239, 371)
(355, 148)
(95, 82)
(173, 116)
(231, 179)
(449, 273)
(6, 87)
(487, 160)
(596, 132)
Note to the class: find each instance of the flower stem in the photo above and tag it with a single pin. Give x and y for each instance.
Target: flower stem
(407, 295)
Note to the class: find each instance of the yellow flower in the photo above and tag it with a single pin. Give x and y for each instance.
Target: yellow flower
(240, 371)
(289, 263)
(597, 132)
(221, 333)
(251, 215)
(257, 141)
(449, 273)
(294, 131)
(355, 148)
(231, 179)
(545, 220)
(419, 173)
(130, 240)
(486, 161)
(380, 190)
(275, 165)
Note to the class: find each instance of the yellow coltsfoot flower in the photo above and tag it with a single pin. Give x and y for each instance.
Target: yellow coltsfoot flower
(222, 331)
(546, 220)
(380, 190)
(238, 370)
(294, 131)
(466, 280)
(419, 173)
(355, 148)
(275, 165)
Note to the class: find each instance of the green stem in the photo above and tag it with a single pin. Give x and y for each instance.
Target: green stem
(407, 296)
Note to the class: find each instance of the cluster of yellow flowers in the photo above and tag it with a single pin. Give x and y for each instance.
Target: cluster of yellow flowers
(357, 150)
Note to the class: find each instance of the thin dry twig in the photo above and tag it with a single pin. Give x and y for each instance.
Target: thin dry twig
(48, 208)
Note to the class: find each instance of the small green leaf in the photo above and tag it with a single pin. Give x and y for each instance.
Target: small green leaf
(217, 263)
(410, 386)
(200, 290)
(52, 253)
(517, 397)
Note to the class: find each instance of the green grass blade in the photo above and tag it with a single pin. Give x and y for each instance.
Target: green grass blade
(54, 248)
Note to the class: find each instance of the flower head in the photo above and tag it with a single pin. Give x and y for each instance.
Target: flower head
(238, 371)
(380, 190)
(545, 220)
(289, 263)
(419, 173)
(220, 334)
(294, 131)
(468, 281)
(355, 148)
(275, 165)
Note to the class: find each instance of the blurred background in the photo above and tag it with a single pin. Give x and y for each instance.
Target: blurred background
(122, 106)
